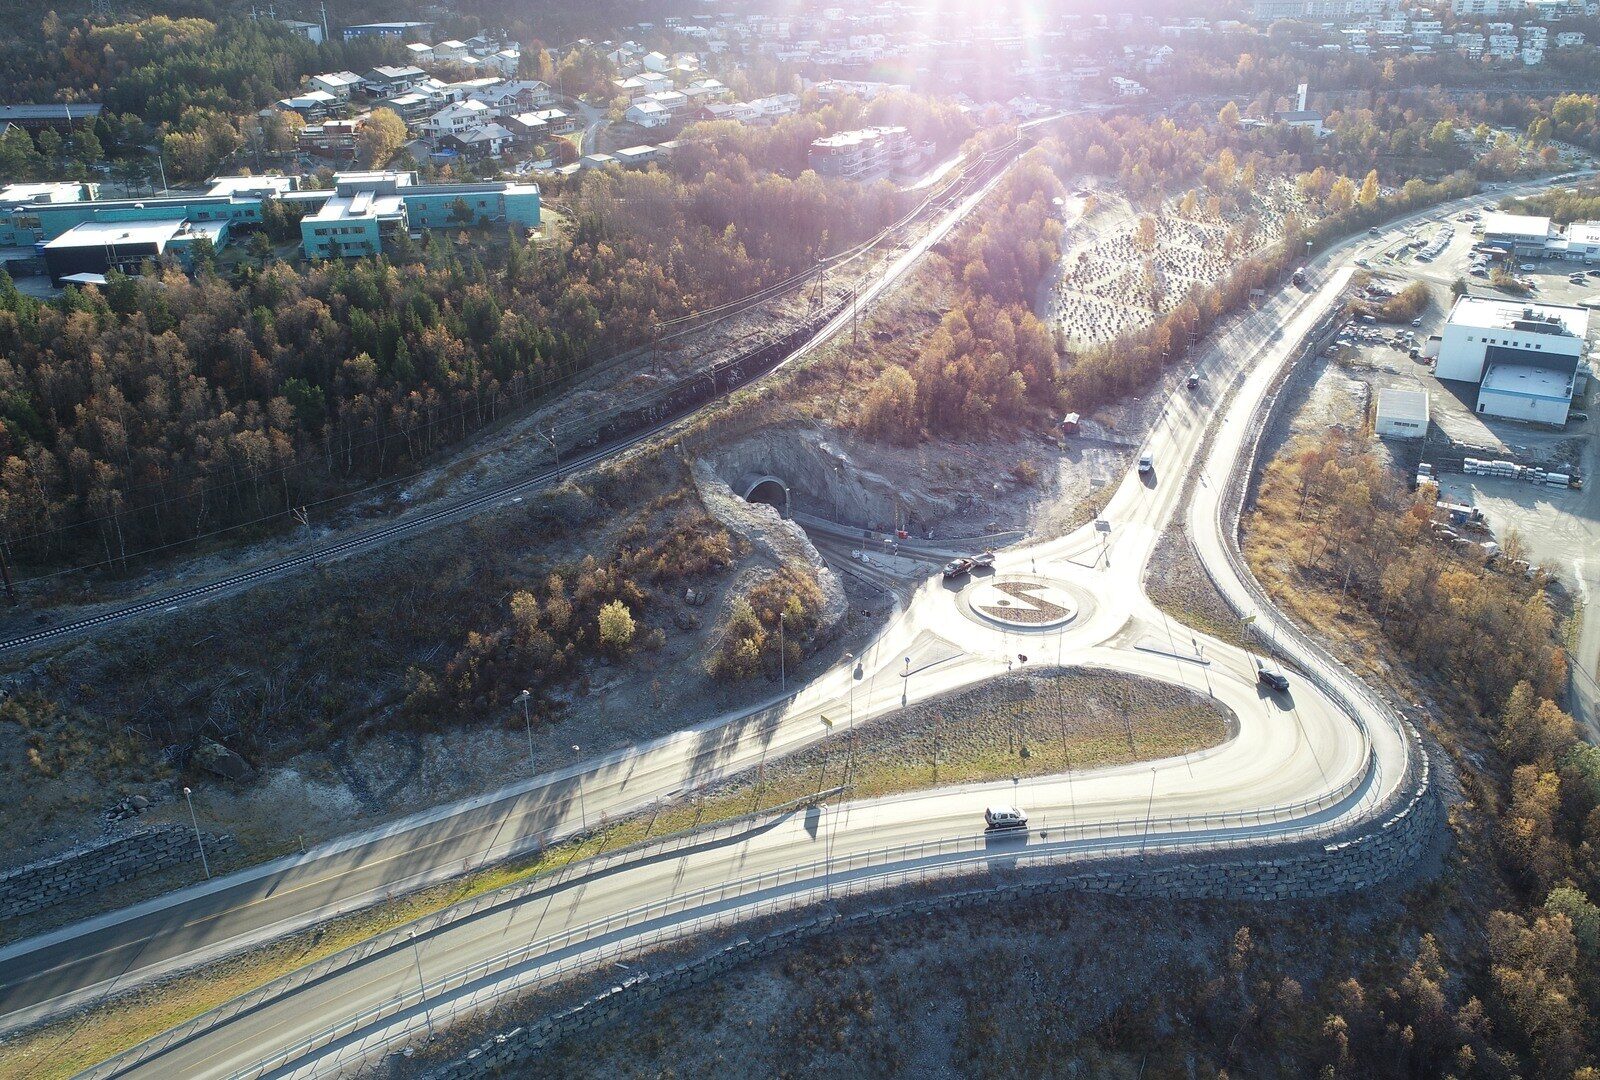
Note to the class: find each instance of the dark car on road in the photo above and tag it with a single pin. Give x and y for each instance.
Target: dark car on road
(1272, 680)
(957, 568)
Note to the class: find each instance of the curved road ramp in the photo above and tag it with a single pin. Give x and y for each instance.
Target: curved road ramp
(1322, 787)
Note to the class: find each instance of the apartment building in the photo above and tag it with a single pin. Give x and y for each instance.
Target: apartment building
(864, 154)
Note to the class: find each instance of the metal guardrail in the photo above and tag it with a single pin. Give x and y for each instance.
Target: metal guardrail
(1115, 830)
(1314, 661)
(574, 872)
(1235, 829)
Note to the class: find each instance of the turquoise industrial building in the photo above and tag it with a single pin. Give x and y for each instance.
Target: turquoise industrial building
(354, 218)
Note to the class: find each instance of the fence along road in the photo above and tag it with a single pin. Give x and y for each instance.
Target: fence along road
(1327, 756)
(48, 974)
(1315, 750)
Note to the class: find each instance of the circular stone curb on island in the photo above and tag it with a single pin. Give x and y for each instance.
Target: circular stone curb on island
(1022, 603)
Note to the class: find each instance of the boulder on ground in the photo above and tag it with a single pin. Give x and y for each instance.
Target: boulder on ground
(218, 760)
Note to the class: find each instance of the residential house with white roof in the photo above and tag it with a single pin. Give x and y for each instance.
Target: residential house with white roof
(646, 113)
(341, 84)
(459, 117)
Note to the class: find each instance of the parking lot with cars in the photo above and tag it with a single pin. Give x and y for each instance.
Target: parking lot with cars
(1557, 528)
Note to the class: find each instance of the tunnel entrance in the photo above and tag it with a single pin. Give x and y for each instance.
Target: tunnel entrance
(769, 490)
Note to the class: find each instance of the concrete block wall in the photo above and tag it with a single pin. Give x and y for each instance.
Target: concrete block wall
(100, 865)
(1369, 856)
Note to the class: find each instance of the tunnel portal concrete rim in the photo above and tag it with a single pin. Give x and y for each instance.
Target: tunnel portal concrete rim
(755, 485)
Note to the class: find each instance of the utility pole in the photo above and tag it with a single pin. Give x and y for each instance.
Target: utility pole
(1149, 808)
(855, 316)
(850, 761)
(583, 810)
(783, 675)
(5, 572)
(204, 863)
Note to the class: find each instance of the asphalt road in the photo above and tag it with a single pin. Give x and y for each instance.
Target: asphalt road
(1292, 749)
(47, 974)
(1289, 749)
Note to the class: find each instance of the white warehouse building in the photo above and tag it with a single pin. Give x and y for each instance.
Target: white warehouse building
(1524, 357)
(1402, 414)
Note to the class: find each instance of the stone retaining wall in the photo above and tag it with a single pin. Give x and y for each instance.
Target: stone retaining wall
(100, 865)
(1365, 859)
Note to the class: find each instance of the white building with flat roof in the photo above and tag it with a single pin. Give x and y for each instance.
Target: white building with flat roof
(1479, 325)
(1538, 395)
(1583, 241)
(1522, 234)
(1525, 357)
(1402, 414)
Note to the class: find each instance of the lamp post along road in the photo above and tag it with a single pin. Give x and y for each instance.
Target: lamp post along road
(422, 987)
(199, 843)
(527, 726)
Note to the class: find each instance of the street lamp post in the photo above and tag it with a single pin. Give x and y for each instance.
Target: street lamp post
(583, 811)
(1148, 810)
(199, 843)
(783, 674)
(527, 726)
(422, 987)
(850, 695)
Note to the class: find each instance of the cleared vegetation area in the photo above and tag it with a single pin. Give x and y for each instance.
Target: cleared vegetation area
(348, 689)
(1070, 986)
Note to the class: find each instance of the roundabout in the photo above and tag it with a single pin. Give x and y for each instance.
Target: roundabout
(1022, 602)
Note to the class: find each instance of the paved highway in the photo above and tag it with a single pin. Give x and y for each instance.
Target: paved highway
(1298, 748)
(47, 974)
(1301, 748)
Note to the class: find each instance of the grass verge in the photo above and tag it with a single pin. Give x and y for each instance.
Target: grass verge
(1023, 725)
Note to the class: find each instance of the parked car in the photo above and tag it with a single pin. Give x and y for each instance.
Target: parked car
(1272, 680)
(1577, 418)
(986, 559)
(956, 568)
(999, 818)
(1594, 273)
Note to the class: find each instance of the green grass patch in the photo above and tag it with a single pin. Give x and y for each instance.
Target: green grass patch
(1023, 725)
